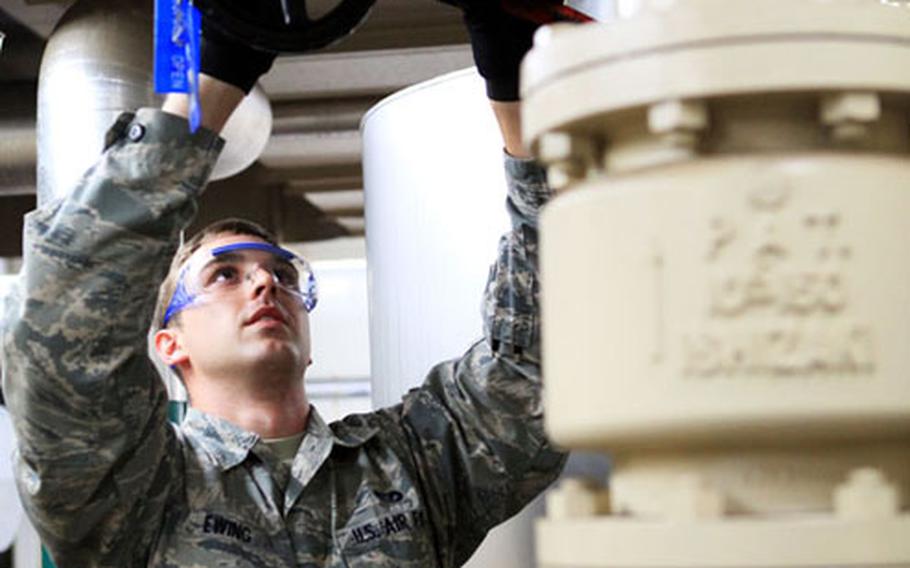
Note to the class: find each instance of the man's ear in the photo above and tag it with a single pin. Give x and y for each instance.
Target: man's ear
(169, 347)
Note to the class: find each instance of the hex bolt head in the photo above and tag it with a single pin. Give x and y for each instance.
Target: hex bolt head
(850, 114)
(559, 176)
(841, 108)
(669, 117)
(866, 494)
(577, 498)
(567, 156)
(555, 147)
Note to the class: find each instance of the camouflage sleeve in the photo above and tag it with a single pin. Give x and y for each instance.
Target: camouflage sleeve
(511, 310)
(96, 456)
(475, 427)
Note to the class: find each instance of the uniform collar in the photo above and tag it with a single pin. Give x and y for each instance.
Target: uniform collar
(226, 443)
(316, 448)
(352, 431)
(229, 444)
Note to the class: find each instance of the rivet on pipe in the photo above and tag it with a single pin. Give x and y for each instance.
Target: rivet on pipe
(577, 498)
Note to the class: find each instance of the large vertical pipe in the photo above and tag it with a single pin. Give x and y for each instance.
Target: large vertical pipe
(432, 161)
(9, 499)
(435, 190)
(435, 194)
(97, 64)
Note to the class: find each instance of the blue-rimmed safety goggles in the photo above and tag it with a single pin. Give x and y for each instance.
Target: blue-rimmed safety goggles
(223, 271)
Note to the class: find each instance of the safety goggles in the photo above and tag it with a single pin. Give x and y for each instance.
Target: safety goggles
(224, 271)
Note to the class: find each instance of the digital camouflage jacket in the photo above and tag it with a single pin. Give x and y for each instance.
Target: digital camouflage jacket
(108, 481)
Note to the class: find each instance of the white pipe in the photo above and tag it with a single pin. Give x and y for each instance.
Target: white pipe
(435, 194)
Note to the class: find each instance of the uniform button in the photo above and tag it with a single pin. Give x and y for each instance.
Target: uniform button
(137, 131)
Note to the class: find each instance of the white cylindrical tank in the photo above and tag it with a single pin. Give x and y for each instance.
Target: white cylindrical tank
(435, 208)
(725, 283)
(9, 498)
(435, 194)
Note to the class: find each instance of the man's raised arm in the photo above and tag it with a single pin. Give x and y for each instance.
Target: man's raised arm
(97, 460)
(475, 427)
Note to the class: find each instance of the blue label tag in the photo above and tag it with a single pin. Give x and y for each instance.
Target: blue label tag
(193, 34)
(177, 32)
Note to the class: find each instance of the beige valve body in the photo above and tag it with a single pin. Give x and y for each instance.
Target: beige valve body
(726, 282)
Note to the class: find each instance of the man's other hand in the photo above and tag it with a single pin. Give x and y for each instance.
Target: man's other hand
(231, 61)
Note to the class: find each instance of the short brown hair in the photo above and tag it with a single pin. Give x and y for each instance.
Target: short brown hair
(232, 226)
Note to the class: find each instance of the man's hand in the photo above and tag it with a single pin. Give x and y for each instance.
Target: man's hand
(229, 70)
(500, 41)
(231, 61)
(218, 100)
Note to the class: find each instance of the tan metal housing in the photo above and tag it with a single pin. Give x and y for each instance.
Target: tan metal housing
(726, 285)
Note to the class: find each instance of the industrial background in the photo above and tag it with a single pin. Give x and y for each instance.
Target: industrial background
(307, 184)
(726, 299)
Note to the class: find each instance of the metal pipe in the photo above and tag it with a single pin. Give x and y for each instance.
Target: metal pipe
(97, 64)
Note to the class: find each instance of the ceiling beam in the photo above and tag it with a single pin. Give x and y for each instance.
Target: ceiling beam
(318, 102)
(313, 115)
(360, 73)
(299, 150)
(323, 177)
(40, 16)
(20, 58)
(348, 203)
(354, 225)
(309, 186)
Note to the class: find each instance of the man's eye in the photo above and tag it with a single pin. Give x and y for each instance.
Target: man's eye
(286, 275)
(223, 275)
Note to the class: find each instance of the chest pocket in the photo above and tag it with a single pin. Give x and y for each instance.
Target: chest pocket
(387, 529)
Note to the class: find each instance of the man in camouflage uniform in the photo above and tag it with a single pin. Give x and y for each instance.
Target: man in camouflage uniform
(107, 481)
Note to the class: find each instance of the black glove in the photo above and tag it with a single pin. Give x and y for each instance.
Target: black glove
(499, 41)
(231, 61)
(502, 33)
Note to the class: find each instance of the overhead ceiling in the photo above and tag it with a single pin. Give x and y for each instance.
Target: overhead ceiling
(307, 185)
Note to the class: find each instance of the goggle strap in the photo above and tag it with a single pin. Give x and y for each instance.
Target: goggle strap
(179, 300)
(265, 247)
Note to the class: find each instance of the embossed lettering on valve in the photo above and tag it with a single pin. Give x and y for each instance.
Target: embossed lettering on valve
(778, 294)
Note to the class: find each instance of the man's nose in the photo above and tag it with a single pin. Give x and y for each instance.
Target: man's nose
(261, 281)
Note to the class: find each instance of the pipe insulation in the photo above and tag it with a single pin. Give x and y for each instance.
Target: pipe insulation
(97, 64)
